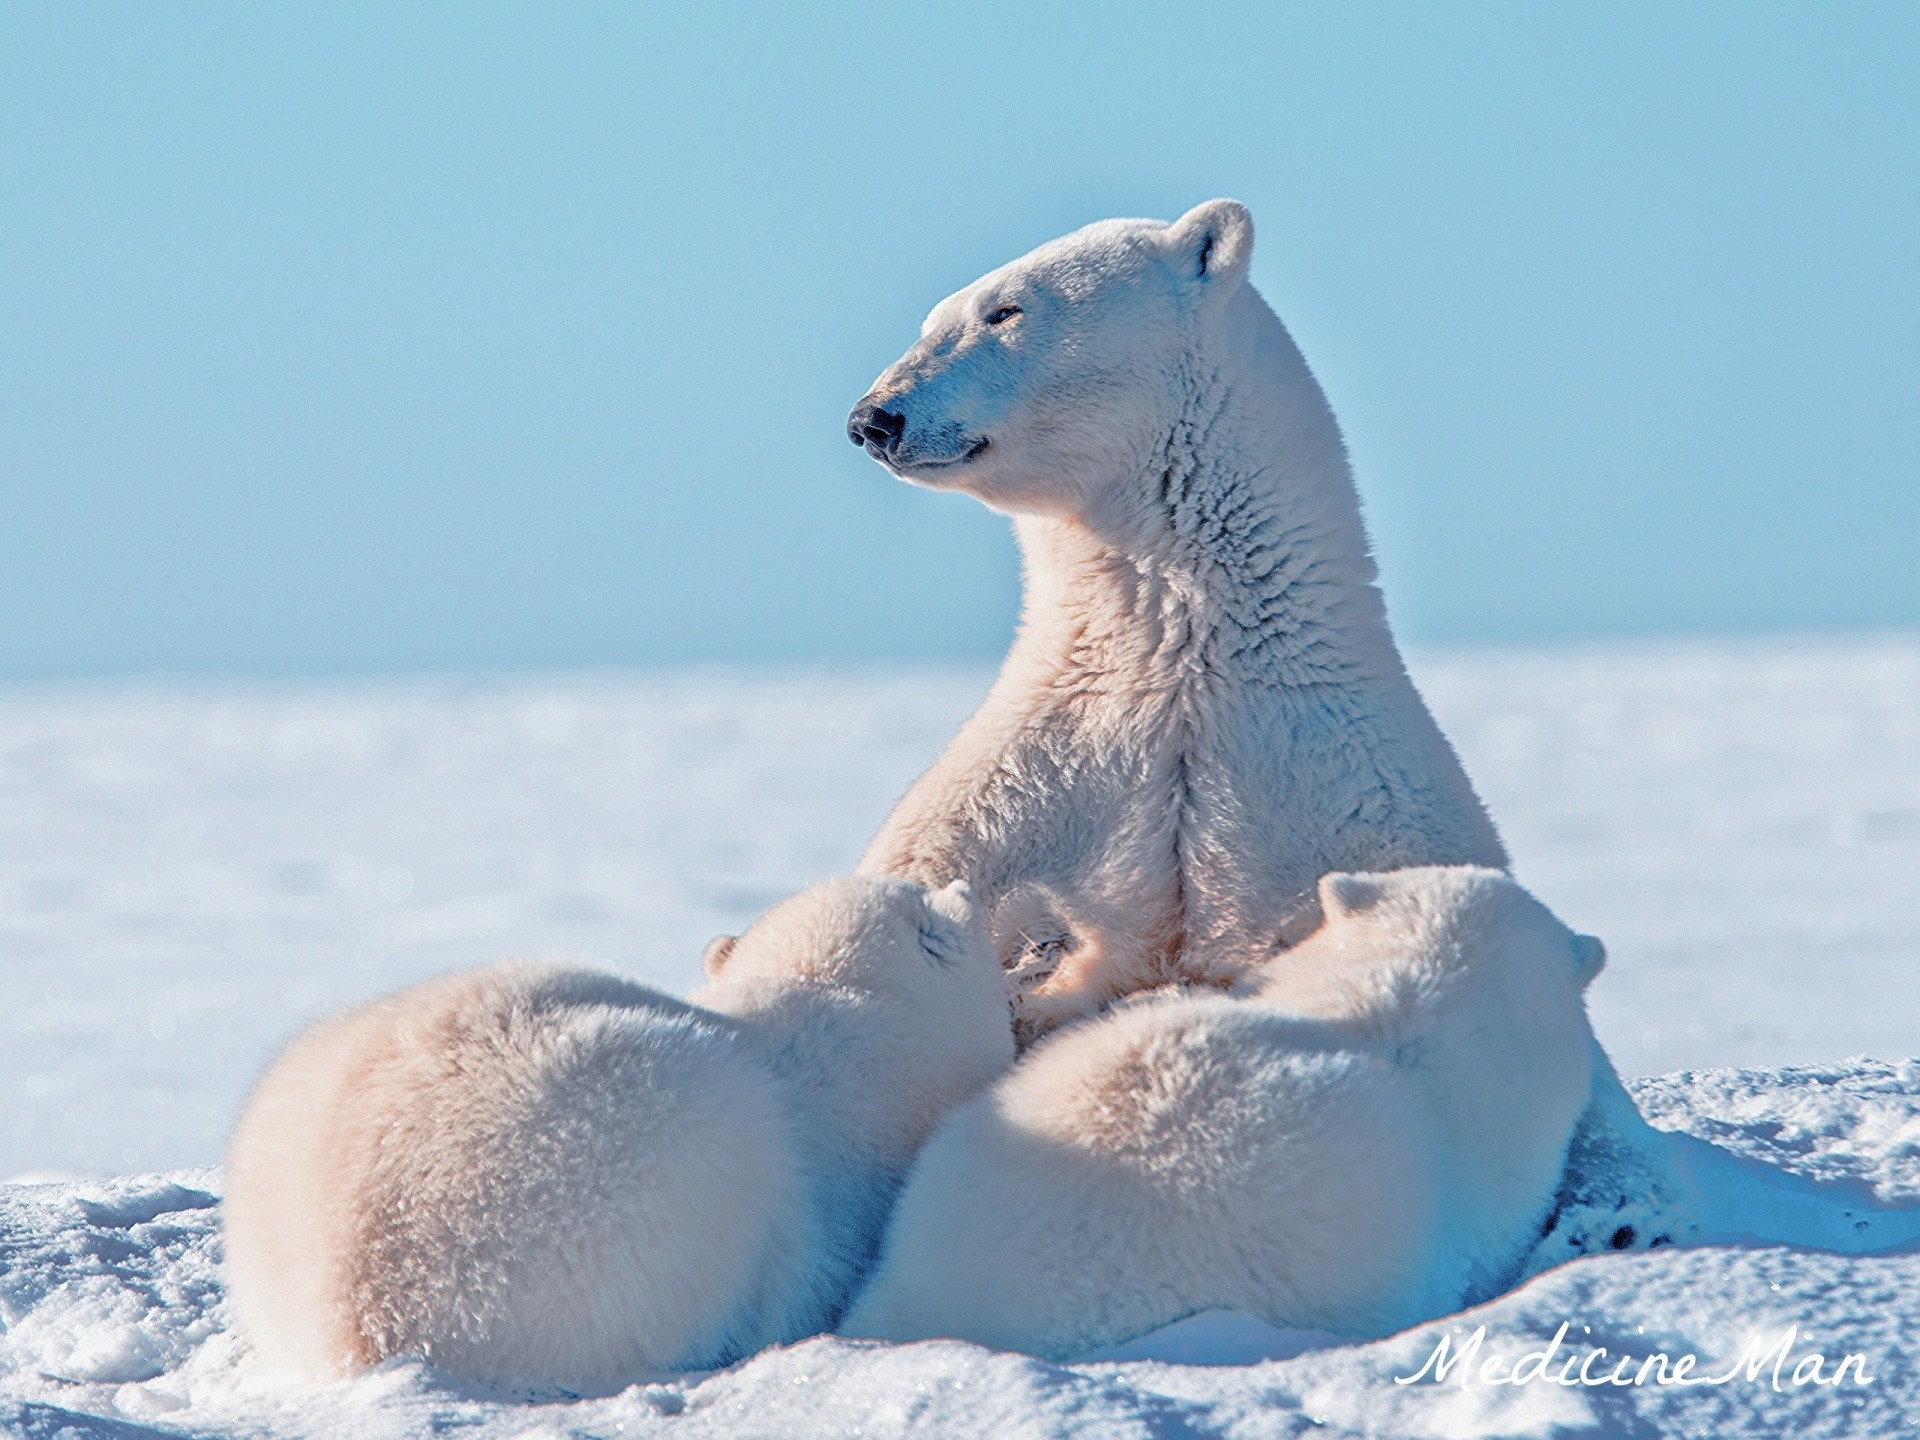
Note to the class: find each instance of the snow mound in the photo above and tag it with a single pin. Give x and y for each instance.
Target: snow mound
(115, 1324)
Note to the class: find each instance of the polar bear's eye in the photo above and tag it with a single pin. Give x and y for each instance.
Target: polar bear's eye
(1003, 314)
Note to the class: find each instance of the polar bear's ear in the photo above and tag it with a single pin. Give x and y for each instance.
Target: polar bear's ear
(950, 915)
(955, 901)
(715, 955)
(1349, 894)
(1215, 240)
(1589, 955)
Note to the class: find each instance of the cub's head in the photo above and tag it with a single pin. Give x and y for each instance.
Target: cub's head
(1455, 965)
(916, 961)
(1062, 370)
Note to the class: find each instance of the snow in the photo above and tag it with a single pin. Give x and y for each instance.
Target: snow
(113, 1309)
(190, 872)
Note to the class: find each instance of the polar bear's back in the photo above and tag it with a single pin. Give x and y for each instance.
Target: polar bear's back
(519, 1172)
(1181, 1155)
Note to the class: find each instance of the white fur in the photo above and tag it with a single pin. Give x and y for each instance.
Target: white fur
(535, 1175)
(1204, 711)
(1370, 1141)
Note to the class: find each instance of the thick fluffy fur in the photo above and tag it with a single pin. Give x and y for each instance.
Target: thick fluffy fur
(1372, 1140)
(1204, 711)
(534, 1175)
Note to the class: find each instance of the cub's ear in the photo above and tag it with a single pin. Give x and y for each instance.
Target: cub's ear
(1213, 241)
(1590, 956)
(950, 915)
(1349, 894)
(955, 901)
(715, 955)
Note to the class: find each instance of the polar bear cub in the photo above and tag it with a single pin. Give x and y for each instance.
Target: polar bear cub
(1372, 1138)
(537, 1175)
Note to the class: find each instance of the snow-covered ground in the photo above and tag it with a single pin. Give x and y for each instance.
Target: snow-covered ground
(188, 873)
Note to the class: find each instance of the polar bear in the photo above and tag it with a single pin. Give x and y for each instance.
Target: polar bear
(535, 1175)
(1204, 710)
(1370, 1141)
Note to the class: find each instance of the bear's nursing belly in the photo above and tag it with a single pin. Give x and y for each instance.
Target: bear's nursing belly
(1141, 907)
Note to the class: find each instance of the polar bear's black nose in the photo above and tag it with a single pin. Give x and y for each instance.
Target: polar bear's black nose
(870, 425)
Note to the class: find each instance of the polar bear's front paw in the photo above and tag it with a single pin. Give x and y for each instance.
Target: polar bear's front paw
(1034, 966)
(1576, 1229)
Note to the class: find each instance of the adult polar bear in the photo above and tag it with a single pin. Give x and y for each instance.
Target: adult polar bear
(1204, 711)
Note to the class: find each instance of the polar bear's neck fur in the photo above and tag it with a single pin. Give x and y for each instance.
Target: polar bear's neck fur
(1203, 711)
(1237, 552)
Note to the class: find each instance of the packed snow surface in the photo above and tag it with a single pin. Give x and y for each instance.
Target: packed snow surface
(188, 873)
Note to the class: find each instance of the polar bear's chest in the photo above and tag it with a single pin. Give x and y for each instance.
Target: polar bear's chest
(1125, 832)
(1269, 789)
(1177, 849)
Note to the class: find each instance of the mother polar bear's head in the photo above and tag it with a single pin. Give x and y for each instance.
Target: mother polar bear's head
(1046, 380)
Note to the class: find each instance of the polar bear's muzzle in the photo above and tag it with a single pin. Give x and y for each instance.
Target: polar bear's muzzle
(882, 433)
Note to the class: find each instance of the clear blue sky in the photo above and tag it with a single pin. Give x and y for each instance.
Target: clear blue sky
(384, 337)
